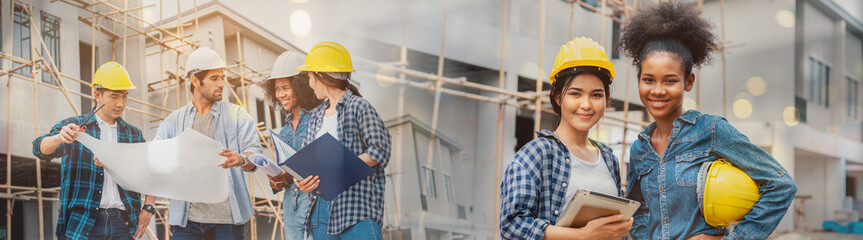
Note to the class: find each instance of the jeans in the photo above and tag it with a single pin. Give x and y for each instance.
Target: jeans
(366, 229)
(111, 224)
(209, 231)
(295, 210)
(320, 220)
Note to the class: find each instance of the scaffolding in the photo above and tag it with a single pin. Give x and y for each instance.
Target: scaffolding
(174, 40)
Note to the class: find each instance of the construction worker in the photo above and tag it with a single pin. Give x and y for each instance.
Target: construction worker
(92, 205)
(547, 171)
(358, 212)
(228, 124)
(289, 91)
(666, 41)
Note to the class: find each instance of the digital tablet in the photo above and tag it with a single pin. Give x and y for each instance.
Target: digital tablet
(586, 205)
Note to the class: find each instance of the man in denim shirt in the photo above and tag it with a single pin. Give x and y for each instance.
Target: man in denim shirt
(228, 124)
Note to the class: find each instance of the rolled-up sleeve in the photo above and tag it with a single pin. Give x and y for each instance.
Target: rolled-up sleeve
(776, 186)
(375, 135)
(61, 150)
(519, 196)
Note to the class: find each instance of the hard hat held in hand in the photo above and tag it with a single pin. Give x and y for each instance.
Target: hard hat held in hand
(112, 76)
(581, 52)
(286, 64)
(327, 57)
(201, 59)
(725, 193)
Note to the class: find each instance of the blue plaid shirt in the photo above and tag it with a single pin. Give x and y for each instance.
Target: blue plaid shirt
(532, 191)
(81, 181)
(362, 131)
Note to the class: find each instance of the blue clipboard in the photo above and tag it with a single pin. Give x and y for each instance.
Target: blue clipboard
(337, 166)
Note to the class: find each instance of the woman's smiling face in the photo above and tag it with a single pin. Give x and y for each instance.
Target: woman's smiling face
(662, 83)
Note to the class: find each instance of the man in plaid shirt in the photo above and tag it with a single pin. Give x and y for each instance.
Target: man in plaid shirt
(92, 205)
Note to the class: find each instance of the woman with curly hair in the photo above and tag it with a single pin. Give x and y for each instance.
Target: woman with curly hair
(288, 90)
(666, 41)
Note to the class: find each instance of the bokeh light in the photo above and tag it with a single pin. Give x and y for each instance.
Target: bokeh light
(742, 108)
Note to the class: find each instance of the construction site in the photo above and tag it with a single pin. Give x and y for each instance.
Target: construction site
(459, 83)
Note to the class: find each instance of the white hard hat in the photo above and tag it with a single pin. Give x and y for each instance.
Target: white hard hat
(201, 59)
(285, 65)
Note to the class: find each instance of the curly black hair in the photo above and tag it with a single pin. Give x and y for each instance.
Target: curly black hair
(303, 94)
(669, 26)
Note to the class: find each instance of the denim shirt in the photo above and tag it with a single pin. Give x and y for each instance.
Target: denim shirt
(235, 129)
(533, 189)
(666, 186)
(294, 138)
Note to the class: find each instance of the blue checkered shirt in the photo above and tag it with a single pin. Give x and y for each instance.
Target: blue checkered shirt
(362, 131)
(531, 192)
(81, 181)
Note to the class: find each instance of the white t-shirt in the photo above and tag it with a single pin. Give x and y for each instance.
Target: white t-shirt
(593, 176)
(330, 125)
(110, 192)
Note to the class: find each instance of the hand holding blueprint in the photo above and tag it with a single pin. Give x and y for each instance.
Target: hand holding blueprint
(185, 167)
(265, 164)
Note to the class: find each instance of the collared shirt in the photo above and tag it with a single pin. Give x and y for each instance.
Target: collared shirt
(667, 186)
(235, 129)
(110, 194)
(533, 189)
(294, 138)
(362, 131)
(81, 181)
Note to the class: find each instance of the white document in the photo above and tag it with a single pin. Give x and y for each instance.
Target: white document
(283, 152)
(185, 167)
(265, 164)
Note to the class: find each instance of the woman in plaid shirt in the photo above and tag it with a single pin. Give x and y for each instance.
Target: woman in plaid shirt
(547, 171)
(356, 213)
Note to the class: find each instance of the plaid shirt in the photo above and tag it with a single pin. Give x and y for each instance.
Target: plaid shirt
(362, 131)
(81, 181)
(532, 191)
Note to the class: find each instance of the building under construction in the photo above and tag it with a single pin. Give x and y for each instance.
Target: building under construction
(459, 83)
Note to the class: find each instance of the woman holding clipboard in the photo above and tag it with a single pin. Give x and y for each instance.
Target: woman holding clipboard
(548, 170)
(358, 212)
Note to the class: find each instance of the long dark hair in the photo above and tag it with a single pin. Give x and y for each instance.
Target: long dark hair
(345, 84)
(303, 94)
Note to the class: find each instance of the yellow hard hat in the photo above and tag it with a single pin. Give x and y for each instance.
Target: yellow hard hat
(327, 57)
(113, 76)
(725, 193)
(581, 52)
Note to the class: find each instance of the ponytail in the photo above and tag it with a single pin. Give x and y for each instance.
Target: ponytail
(344, 84)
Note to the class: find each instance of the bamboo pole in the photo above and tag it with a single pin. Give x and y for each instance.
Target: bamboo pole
(537, 114)
(242, 70)
(36, 114)
(436, 108)
(9, 125)
(125, 28)
(502, 84)
(724, 81)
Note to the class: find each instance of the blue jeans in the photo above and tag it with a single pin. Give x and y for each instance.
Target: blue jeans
(366, 229)
(320, 220)
(295, 210)
(112, 224)
(209, 231)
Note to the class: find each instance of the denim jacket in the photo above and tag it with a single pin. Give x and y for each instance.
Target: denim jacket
(533, 189)
(666, 186)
